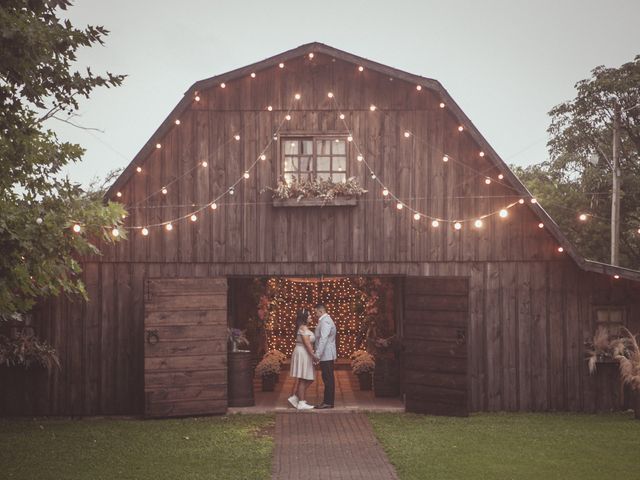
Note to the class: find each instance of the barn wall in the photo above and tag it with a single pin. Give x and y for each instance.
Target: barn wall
(247, 228)
(527, 327)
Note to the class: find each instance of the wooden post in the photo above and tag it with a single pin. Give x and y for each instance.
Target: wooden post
(615, 195)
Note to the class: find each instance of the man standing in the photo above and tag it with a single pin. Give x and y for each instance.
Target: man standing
(326, 354)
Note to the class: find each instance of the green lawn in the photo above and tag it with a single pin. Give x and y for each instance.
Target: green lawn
(511, 446)
(233, 447)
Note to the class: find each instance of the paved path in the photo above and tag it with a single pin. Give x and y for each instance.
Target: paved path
(324, 445)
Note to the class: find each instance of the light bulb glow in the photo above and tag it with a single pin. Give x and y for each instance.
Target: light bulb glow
(232, 191)
(457, 225)
(237, 137)
(297, 96)
(560, 249)
(487, 181)
(481, 154)
(349, 138)
(500, 176)
(330, 94)
(360, 157)
(197, 98)
(311, 55)
(281, 65)
(342, 116)
(445, 158)
(407, 134)
(158, 145)
(503, 213)
(263, 157)
(460, 128)
(418, 87)
(76, 228)
(138, 169)
(119, 194)
(193, 218)
(145, 231)
(205, 164)
(168, 227)
(385, 192)
(477, 223)
(246, 175)
(223, 85)
(270, 108)
(399, 206)
(583, 217)
(164, 191)
(541, 225)
(115, 232)
(441, 104)
(288, 117)
(373, 175)
(435, 223)
(533, 200)
(416, 216)
(253, 74)
(214, 206)
(177, 122)
(521, 201)
(361, 68)
(616, 276)
(372, 108)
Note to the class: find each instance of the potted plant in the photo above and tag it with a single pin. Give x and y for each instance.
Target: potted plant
(237, 337)
(599, 349)
(27, 351)
(363, 365)
(316, 192)
(277, 356)
(627, 352)
(268, 369)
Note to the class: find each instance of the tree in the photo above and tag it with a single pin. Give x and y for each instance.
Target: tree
(40, 210)
(577, 178)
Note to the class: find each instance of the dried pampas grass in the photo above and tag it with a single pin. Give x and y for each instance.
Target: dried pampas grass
(627, 353)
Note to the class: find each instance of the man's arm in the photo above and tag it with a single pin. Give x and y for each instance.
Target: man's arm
(323, 337)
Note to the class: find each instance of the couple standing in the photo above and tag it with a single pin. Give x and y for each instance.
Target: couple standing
(304, 357)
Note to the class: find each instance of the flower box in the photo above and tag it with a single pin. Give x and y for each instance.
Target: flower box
(315, 202)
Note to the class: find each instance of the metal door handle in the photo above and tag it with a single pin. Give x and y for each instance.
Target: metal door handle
(152, 337)
(461, 336)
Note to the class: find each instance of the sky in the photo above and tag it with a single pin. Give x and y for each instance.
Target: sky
(506, 63)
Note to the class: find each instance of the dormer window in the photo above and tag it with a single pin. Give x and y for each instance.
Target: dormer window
(314, 158)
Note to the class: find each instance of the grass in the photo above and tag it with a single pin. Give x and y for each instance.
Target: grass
(230, 447)
(511, 446)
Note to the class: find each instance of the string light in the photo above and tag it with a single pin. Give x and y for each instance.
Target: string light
(281, 65)
(560, 249)
(342, 116)
(407, 134)
(236, 136)
(441, 104)
(168, 227)
(197, 98)
(477, 223)
(287, 117)
(487, 181)
(460, 128)
(138, 169)
(457, 225)
(416, 216)
(533, 200)
(418, 87)
(158, 145)
(445, 159)
(399, 206)
(521, 201)
(310, 55)
(205, 164)
(481, 154)
(330, 94)
(223, 85)
(373, 175)
(193, 218)
(119, 194)
(372, 108)
(503, 213)
(616, 276)
(270, 108)
(297, 96)
(435, 223)
(145, 231)
(246, 175)
(232, 191)
(582, 217)
(541, 225)
(177, 122)
(253, 74)
(361, 68)
(263, 157)
(500, 176)
(385, 192)
(214, 206)
(115, 232)
(360, 157)
(164, 191)
(349, 138)
(76, 228)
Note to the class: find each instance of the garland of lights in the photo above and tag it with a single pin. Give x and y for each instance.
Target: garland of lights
(400, 205)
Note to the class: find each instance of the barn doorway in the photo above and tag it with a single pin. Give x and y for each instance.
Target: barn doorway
(367, 312)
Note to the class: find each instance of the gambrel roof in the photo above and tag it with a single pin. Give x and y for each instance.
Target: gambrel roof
(429, 83)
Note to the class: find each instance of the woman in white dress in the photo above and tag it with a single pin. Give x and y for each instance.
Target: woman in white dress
(302, 361)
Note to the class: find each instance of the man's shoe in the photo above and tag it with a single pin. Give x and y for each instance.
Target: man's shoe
(302, 405)
(324, 406)
(293, 400)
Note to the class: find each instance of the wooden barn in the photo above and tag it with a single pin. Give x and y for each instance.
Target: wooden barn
(491, 302)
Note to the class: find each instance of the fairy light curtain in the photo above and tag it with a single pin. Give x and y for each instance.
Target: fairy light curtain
(344, 302)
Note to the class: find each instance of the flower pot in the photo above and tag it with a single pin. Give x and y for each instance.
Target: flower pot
(386, 378)
(269, 382)
(364, 379)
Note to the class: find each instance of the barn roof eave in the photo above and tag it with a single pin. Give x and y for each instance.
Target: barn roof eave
(316, 47)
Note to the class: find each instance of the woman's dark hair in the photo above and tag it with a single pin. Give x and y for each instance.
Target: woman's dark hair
(302, 318)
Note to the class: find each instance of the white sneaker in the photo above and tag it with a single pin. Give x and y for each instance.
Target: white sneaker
(302, 405)
(293, 400)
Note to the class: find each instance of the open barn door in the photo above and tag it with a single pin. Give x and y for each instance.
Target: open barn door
(436, 312)
(185, 350)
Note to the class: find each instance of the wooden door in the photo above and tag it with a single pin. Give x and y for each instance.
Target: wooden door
(185, 349)
(436, 312)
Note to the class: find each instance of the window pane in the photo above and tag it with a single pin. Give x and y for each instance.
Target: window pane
(323, 163)
(339, 164)
(290, 147)
(323, 176)
(323, 147)
(290, 163)
(305, 164)
(307, 147)
(339, 177)
(339, 147)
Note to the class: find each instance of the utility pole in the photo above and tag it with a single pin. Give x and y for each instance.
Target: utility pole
(615, 195)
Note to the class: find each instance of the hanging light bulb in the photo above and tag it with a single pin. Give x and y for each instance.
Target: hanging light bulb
(204, 163)
(310, 55)
(435, 223)
(349, 138)
(253, 74)
(373, 108)
(360, 68)
(330, 94)
(223, 85)
(297, 96)
(214, 206)
(500, 176)
(504, 213)
(481, 154)
(263, 157)
(533, 200)
(541, 225)
(158, 145)
(138, 169)
(193, 218)
(76, 228)
(115, 232)
(119, 194)
(373, 175)
(521, 201)
(342, 116)
(457, 225)
(197, 98)
(399, 206)
(487, 181)
(385, 192)
(232, 191)
(416, 216)
(177, 122)
(270, 108)
(236, 136)
(583, 217)
(145, 231)
(281, 65)
(360, 157)
(246, 175)
(418, 87)
(407, 134)
(164, 190)
(616, 276)
(445, 158)
(560, 249)
(441, 105)
(287, 117)
(460, 128)
(169, 227)
(477, 223)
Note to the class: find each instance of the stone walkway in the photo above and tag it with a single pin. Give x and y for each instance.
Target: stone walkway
(326, 445)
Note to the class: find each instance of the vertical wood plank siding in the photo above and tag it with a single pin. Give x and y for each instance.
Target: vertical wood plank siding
(530, 307)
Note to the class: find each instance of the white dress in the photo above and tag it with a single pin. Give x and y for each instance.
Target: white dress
(301, 361)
